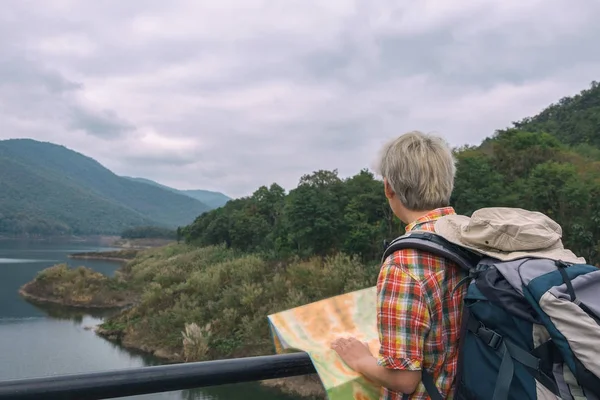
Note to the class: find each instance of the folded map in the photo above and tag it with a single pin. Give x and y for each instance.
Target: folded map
(312, 328)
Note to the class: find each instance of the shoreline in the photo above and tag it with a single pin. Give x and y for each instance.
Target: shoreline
(305, 386)
(23, 291)
(119, 337)
(118, 256)
(84, 256)
(102, 240)
(140, 243)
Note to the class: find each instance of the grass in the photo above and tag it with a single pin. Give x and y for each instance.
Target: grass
(211, 303)
(78, 287)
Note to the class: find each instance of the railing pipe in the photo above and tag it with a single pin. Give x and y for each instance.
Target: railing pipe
(163, 378)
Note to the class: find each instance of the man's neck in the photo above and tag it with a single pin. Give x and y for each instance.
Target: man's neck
(412, 216)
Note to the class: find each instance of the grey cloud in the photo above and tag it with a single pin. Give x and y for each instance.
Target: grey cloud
(20, 71)
(101, 123)
(29, 89)
(269, 94)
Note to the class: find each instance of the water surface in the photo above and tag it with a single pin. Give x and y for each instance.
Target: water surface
(46, 340)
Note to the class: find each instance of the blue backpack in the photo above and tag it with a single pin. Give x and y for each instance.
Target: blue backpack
(530, 327)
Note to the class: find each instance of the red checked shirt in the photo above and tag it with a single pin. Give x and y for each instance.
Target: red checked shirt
(418, 317)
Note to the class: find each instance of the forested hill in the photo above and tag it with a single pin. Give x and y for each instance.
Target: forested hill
(549, 163)
(208, 197)
(573, 120)
(49, 189)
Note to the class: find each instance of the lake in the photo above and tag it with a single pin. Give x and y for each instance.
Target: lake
(40, 341)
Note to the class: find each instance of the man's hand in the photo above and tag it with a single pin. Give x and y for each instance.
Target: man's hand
(357, 356)
(352, 352)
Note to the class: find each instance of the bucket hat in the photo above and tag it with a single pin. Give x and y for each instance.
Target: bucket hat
(507, 233)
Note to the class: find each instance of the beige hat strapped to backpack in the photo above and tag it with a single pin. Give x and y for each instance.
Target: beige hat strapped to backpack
(506, 234)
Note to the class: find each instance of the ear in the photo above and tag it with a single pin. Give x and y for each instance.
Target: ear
(389, 192)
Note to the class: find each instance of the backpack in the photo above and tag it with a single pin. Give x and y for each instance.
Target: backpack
(530, 327)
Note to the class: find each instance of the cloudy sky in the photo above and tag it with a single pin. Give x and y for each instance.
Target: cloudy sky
(229, 95)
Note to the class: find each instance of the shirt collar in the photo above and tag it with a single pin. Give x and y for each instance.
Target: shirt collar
(430, 217)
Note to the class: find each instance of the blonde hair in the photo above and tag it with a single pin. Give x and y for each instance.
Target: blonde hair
(420, 169)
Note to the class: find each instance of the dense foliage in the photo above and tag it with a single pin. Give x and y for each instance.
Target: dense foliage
(226, 293)
(149, 232)
(574, 120)
(48, 189)
(322, 216)
(78, 287)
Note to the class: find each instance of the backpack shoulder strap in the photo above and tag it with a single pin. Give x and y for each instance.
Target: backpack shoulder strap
(433, 243)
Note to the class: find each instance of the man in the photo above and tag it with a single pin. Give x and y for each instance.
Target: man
(418, 316)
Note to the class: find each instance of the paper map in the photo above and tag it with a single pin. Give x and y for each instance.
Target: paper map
(312, 328)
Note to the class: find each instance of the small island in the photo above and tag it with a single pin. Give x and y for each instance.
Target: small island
(78, 287)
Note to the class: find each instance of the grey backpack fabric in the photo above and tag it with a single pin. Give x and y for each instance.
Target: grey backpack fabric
(530, 326)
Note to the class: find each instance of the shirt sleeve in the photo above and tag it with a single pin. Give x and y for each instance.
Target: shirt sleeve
(403, 319)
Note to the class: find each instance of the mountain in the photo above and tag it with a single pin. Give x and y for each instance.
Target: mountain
(573, 120)
(210, 198)
(49, 189)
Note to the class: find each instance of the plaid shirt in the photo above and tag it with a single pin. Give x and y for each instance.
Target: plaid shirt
(417, 317)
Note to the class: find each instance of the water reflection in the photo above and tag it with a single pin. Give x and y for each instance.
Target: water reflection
(87, 318)
(75, 314)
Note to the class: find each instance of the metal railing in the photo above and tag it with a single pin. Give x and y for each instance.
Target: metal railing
(164, 378)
